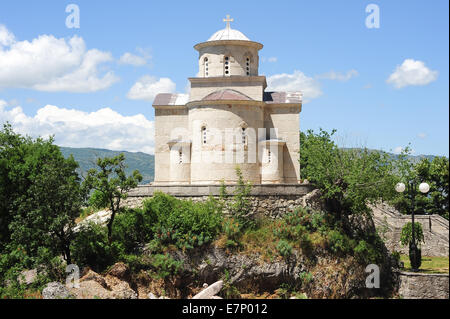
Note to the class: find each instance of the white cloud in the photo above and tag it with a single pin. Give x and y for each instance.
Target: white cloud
(272, 59)
(411, 72)
(6, 37)
(147, 87)
(296, 81)
(422, 135)
(336, 76)
(104, 128)
(135, 60)
(50, 64)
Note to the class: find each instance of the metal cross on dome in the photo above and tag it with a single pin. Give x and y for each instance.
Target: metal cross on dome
(228, 20)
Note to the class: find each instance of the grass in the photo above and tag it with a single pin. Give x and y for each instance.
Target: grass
(430, 265)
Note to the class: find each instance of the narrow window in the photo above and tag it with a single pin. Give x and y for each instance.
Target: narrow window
(248, 66)
(269, 156)
(204, 135)
(206, 64)
(244, 136)
(180, 157)
(227, 66)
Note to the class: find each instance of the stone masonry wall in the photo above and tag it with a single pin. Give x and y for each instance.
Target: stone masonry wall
(389, 223)
(269, 200)
(423, 286)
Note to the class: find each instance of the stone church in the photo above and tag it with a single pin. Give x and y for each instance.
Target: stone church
(227, 120)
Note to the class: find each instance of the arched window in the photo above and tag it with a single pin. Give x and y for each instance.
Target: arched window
(205, 67)
(204, 135)
(226, 66)
(247, 65)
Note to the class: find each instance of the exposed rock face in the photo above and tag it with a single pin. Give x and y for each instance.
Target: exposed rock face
(111, 286)
(29, 276)
(56, 290)
(332, 276)
(120, 271)
(101, 218)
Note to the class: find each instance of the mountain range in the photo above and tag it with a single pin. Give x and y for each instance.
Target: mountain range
(86, 158)
(145, 163)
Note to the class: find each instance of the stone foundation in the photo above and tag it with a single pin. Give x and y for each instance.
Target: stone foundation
(269, 200)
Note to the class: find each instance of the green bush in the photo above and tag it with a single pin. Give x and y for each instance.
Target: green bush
(284, 248)
(133, 228)
(137, 262)
(232, 228)
(229, 291)
(338, 242)
(233, 231)
(366, 252)
(406, 235)
(301, 221)
(91, 248)
(165, 266)
(306, 243)
(306, 277)
(184, 223)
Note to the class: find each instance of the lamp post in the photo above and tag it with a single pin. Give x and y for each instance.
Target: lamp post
(411, 191)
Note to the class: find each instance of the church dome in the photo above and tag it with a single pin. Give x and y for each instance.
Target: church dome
(228, 34)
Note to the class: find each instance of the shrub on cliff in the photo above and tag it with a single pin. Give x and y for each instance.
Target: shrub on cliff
(133, 228)
(92, 248)
(183, 223)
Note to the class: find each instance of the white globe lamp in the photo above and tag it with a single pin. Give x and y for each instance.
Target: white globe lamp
(424, 188)
(400, 187)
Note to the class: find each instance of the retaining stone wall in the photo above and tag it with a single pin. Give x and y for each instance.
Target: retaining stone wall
(423, 286)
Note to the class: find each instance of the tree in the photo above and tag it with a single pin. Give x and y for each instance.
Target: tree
(436, 174)
(348, 178)
(41, 195)
(406, 239)
(111, 185)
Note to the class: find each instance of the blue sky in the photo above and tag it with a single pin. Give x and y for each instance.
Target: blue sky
(82, 78)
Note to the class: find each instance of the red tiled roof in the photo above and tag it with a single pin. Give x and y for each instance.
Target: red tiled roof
(226, 94)
(170, 99)
(282, 97)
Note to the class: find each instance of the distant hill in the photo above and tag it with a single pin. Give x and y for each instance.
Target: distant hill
(413, 158)
(143, 162)
(86, 157)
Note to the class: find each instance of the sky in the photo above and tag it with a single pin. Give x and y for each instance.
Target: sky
(381, 80)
